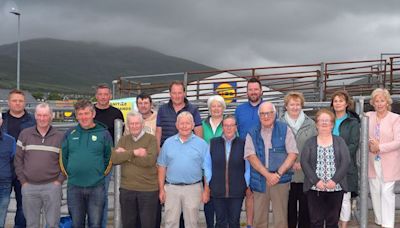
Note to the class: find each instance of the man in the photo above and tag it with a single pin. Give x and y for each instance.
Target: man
(137, 154)
(7, 152)
(15, 120)
(85, 154)
(247, 119)
(180, 173)
(38, 170)
(167, 113)
(271, 150)
(106, 114)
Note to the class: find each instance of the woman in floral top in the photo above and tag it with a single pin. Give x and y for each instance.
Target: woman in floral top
(325, 160)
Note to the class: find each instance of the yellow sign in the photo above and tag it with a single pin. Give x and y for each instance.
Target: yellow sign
(125, 105)
(226, 91)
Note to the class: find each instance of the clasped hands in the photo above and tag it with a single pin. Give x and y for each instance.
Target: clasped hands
(140, 152)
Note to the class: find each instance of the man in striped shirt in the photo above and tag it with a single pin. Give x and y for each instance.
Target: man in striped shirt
(37, 168)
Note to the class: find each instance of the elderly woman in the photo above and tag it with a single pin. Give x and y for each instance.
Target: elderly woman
(303, 128)
(212, 127)
(347, 126)
(230, 174)
(384, 156)
(325, 160)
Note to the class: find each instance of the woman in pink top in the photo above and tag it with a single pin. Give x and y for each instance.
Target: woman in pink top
(384, 156)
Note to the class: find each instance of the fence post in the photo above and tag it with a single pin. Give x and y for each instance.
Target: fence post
(364, 171)
(321, 83)
(118, 126)
(185, 80)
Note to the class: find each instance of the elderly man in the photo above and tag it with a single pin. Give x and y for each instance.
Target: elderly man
(180, 173)
(137, 154)
(86, 152)
(7, 152)
(38, 170)
(271, 150)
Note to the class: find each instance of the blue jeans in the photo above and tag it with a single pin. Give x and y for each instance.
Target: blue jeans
(84, 201)
(227, 211)
(5, 191)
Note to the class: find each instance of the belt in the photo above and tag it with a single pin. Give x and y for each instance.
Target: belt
(183, 184)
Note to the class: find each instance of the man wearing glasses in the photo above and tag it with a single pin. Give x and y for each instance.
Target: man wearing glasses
(271, 150)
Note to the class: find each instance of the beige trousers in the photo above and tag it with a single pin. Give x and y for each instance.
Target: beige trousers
(186, 198)
(278, 195)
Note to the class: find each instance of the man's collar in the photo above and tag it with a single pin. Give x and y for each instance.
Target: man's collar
(138, 137)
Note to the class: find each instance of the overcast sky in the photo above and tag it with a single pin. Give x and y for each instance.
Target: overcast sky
(219, 33)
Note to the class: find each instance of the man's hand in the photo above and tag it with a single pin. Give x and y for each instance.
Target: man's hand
(205, 196)
(296, 166)
(140, 152)
(249, 193)
(162, 195)
(120, 150)
(272, 179)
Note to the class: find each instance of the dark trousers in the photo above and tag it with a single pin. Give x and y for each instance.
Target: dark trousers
(134, 203)
(209, 213)
(19, 219)
(324, 207)
(227, 211)
(158, 219)
(301, 216)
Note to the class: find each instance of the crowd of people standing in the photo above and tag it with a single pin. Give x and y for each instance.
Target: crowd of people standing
(305, 168)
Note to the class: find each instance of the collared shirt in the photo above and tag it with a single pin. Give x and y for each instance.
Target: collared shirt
(266, 134)
(139, 136)
(228, 146)
(247, 118)
(184, 161)
(166, 118)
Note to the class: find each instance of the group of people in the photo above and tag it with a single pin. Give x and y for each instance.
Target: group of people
(306, 169)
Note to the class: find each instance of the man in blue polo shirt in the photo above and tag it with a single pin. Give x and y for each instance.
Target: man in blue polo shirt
(167, 113)
(247, 119)
(180, 174)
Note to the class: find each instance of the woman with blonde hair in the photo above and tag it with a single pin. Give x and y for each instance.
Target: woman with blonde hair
(303, 128)
(384, 156)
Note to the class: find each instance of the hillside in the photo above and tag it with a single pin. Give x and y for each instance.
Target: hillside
(75, 66)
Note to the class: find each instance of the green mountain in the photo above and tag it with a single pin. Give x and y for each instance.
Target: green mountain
(76, 66)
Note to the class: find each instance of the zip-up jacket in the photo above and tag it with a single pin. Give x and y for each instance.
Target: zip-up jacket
(85, 155)
(276, 155)
(227, 174)
(7, 152)
(27, 120)
(349, 130)
(37, 156)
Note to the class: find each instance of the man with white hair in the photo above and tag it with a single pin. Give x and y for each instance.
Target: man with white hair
(271, 150)
(38, 170)
(137, 154)
(7, 152)
(180, 173)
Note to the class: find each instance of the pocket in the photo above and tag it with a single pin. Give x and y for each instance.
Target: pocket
(276, 158)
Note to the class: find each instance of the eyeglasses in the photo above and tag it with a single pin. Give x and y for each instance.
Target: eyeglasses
(326, 121)
(266, 114)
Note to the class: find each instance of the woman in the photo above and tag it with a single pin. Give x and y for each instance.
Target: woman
(230, 175)
(303, 128)
(212, 127)
(347, 126)
(384, 156)
(325, 160)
